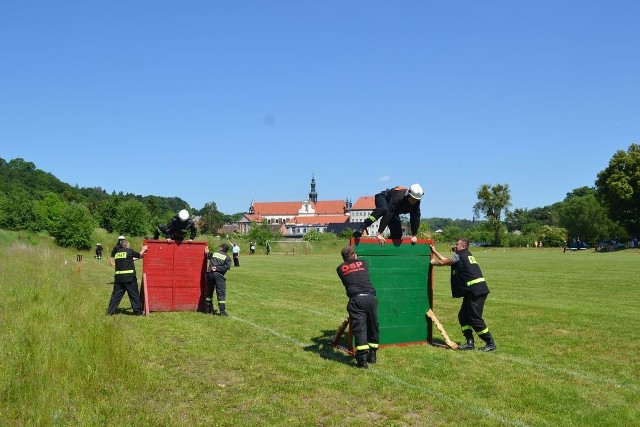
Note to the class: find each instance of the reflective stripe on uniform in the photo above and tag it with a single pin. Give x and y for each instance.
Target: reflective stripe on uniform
(363, 347)
(467, 328)
(125, 272)
(482, 332)
(372, 218)
(475, 281)
(373, 345)
(218, 255)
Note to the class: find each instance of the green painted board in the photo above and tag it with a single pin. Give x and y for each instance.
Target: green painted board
(400, 273)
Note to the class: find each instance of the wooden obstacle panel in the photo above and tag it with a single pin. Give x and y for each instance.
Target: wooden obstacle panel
(174, 275)
(401, 274)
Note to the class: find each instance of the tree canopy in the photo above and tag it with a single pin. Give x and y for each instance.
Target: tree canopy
(618, 186)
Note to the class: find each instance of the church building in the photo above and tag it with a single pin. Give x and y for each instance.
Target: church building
(297, 218)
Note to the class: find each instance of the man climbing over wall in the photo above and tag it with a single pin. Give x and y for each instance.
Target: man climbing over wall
(362, 306)
(390, 204)
(177, 227)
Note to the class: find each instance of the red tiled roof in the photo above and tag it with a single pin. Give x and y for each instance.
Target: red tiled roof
(319, 220)
(326, 207)
(276, 208)
(365, 203)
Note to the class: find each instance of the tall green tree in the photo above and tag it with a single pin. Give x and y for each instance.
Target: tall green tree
(584, 217)
(618, 186)
(492, 200)
(211, 218)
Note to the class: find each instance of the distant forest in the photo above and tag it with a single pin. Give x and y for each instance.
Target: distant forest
(32, 199)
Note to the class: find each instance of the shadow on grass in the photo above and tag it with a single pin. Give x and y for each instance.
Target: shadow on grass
(323, 348)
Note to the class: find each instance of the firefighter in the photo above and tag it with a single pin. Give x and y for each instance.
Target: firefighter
(362, 306)
(98, 251)
(467, 283)
(219, 264)
(125, 279)
(177, 227)
(390, 204)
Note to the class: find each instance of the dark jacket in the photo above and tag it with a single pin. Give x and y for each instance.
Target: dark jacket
(399, 204)
(125, 267)
(220, 261)
(176, 228)
(466, 276)
(354, 274)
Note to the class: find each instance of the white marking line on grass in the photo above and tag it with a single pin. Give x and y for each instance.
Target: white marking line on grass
(449, 399)
(388, 376)
(576, 374)
(272, 331)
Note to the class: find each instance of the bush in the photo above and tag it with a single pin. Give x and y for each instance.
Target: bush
(75, 227)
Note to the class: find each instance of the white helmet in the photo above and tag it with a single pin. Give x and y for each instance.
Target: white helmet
(183, 214)
(415, 191)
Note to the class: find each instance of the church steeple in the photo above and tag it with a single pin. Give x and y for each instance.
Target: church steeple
(313, 196)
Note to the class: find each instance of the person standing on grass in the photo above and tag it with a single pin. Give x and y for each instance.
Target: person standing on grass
(219, 264)
(362, 306)
(236, 255)
(467, 283)
(125, 279)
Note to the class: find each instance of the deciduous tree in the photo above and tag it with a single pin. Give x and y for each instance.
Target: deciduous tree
(618, 186)
(492, 200)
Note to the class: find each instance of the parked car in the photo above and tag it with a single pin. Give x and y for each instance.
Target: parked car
(609, 246)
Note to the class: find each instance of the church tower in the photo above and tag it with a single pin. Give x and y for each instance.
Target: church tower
(313, 196)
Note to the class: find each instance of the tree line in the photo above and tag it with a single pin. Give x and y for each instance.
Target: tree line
(31, 199)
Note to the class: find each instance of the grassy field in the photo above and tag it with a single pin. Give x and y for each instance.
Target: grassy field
(564, 323)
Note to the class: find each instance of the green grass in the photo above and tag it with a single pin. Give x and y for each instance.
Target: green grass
(565, 325)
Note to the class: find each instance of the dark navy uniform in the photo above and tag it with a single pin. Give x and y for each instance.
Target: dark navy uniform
(219, 264)
(362, 307)
(125, 280)
(468, 283)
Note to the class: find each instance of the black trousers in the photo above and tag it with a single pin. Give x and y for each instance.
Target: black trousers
(470, 314)
(119, 289)
(382, 207)
(236, 260)
(363, 311)
(218, 283)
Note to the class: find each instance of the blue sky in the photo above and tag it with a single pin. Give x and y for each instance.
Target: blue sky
(233, 101)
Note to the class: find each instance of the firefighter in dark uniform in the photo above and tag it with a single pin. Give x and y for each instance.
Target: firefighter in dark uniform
(362, 306)
(219, 264)
(98, 251)
(177, 227)
(467, 283)
(389, 205)
(125, 279)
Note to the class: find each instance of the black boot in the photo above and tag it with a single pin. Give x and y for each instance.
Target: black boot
(361, 359)
(491, 344)
(223, 309)
(208, 307)
(470, 345)
(372, 356)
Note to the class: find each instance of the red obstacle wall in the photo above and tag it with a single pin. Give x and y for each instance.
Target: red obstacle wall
(173, 276)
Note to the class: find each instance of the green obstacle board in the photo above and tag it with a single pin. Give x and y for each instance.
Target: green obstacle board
(401, 273)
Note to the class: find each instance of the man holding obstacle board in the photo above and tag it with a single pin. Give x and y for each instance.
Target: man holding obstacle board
(467, 283)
